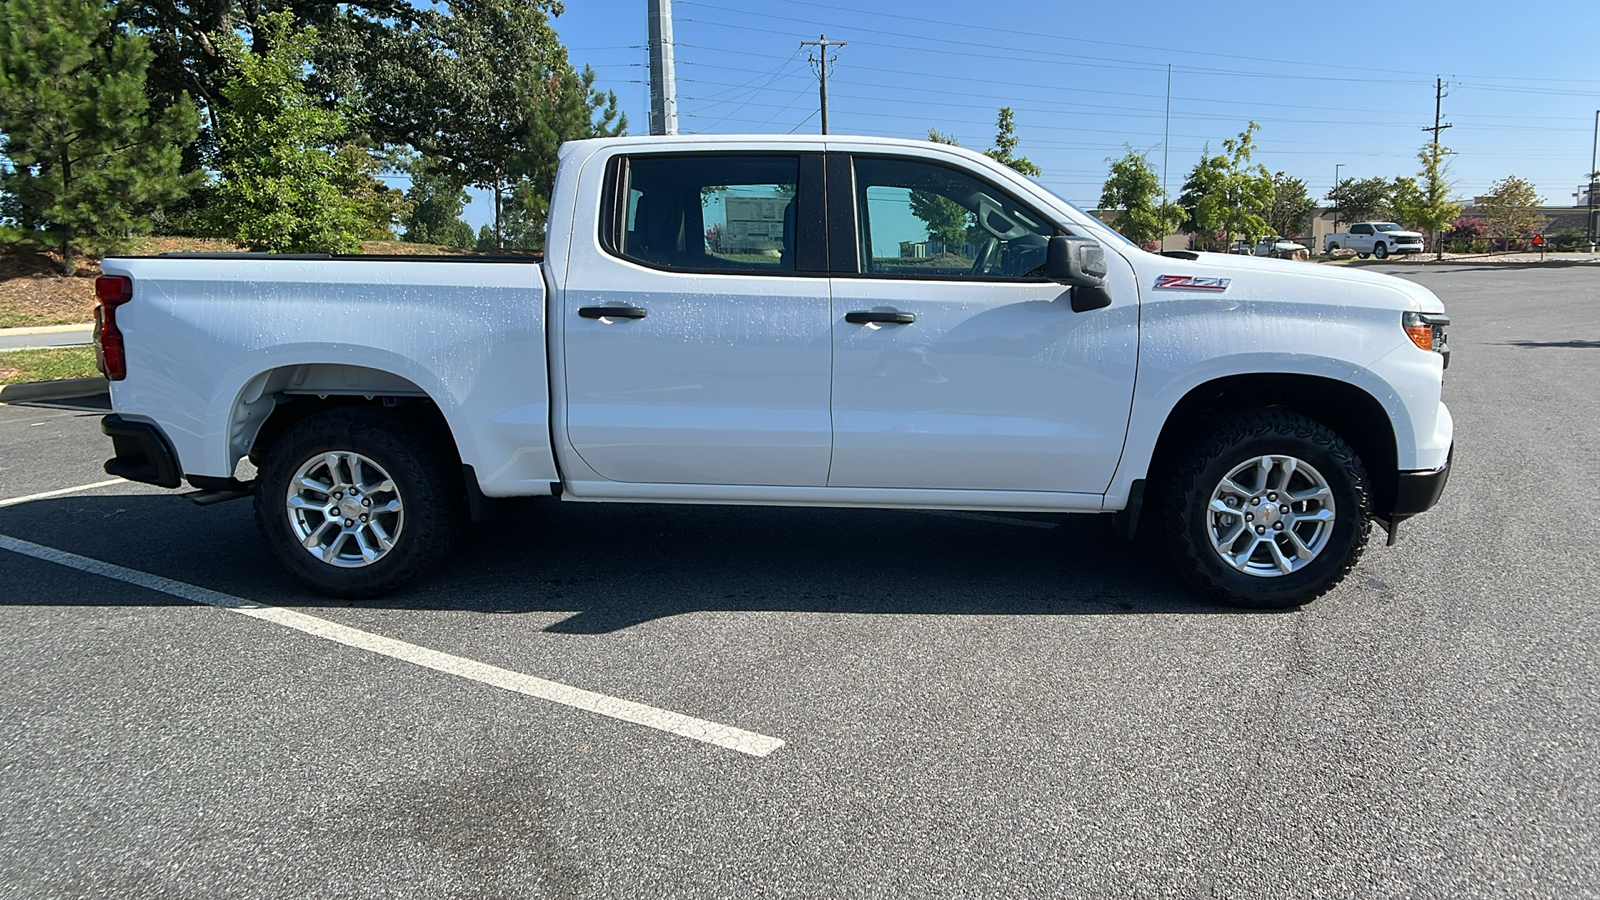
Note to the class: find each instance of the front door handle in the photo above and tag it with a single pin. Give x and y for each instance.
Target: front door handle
(884, 316)
(612, 312)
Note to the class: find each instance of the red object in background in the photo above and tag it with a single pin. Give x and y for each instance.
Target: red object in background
(1538, 240)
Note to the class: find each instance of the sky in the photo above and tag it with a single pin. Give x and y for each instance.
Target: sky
(1340, 84)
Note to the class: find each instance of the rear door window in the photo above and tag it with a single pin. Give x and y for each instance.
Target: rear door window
(711, 213)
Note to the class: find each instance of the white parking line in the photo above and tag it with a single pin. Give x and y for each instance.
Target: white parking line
(983, 517)
(726, 736)
(63, 491)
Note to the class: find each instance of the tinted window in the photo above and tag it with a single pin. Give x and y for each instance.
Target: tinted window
(711, 213)
(1361, 229)
(922, 220)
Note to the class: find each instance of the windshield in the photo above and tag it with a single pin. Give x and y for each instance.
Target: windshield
(1387, 226)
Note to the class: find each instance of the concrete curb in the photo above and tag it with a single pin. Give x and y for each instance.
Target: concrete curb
(54, 390)
(46, 329)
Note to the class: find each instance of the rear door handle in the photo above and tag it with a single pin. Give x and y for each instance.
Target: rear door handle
(612, 312)
(884, 316)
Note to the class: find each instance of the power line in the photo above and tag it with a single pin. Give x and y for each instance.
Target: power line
(967, 26)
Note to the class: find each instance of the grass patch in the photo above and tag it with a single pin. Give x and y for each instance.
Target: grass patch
(19, 366)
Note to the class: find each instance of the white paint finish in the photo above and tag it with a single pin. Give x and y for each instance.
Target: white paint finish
(1280, 316)
(716, 734)
(994, 387)
(471, 335)
(726, 381)
(62, 492)
(874, 498)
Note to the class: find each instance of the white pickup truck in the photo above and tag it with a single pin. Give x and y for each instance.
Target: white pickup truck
(789, 321)
(1378, 239)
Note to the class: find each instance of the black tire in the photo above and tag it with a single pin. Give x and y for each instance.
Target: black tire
(426, 483)
(1363, 255)
(1331, 248)
(1380, 250)
(1188, 491)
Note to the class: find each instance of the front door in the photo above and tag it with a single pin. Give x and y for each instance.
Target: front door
(956, 365)
(696, 345)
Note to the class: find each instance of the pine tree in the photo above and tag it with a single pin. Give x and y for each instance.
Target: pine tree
(90, 160)
(286, 182)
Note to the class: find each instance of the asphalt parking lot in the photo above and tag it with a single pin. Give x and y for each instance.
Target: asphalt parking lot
(914, 704)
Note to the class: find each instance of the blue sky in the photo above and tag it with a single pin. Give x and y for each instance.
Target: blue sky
(1327, 87)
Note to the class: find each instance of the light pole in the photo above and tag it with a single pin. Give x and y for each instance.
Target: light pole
(1594, 152)
(1335, 192)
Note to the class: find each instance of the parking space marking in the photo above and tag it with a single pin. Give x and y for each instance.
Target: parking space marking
(62, 492)
(982, 517)
(726, 736)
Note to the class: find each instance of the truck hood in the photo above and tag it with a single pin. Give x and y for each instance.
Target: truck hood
(1260, 278)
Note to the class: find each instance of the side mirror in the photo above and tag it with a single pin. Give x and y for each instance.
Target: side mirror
(1076, 261)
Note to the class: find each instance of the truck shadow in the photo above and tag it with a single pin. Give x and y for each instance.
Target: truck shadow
(612, 566)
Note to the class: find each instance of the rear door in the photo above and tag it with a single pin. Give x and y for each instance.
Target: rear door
(956, 364)
(696, 338)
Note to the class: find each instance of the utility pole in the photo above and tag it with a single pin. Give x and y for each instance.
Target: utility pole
(663, 83)
(1438, 101)
(1594, 178)
(821, 59)
(1166, 137)
(1336, 195)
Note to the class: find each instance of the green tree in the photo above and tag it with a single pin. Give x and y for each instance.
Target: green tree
(1134, 191)
(524, 213)
(1291, 206)
(289, 179)
(1431, 209)
(436, 206)
(484, 90)
(1360, 200)
(90, 159)
(946, 220)
(1511, 210)
(1225, 195)
(487, 242)
(1005, 145)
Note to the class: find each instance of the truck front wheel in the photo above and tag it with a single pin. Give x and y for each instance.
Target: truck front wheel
(357, 502)
(1380, 250)
(1270, 512)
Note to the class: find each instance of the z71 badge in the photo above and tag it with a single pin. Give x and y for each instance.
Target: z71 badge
(1190, 283)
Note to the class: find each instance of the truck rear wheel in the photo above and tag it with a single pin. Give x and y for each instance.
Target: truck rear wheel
(357, 502)
(1271, 512)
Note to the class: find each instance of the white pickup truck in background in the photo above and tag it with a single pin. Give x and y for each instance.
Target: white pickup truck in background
(768, 320)
(1380, 239)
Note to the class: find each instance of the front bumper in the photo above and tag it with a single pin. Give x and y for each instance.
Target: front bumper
(143, 453)
(1417, 492)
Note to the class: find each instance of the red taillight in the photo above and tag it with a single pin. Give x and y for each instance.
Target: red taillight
(109, 354)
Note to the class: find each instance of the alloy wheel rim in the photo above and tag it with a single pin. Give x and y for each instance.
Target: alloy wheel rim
(1271, 516)
(344, 509)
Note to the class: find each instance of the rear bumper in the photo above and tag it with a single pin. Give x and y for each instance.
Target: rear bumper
(1417, 492)
(143, 453)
